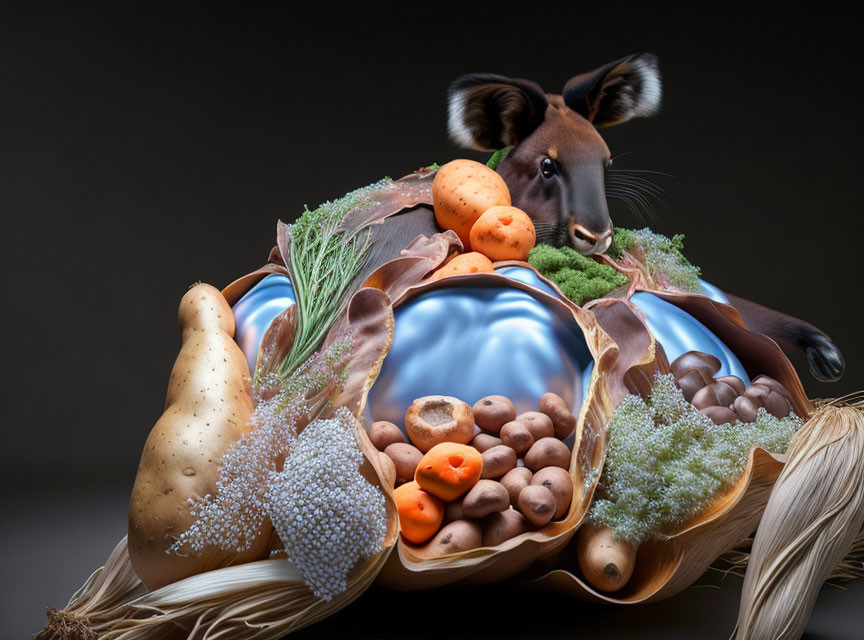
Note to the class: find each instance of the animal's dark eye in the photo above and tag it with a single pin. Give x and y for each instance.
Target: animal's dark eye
(548, 168)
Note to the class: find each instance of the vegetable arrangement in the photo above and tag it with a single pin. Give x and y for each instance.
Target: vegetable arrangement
(288, 508)
(670, 455)
(483, 472)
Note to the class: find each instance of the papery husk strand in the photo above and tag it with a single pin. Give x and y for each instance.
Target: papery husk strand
(812, 518)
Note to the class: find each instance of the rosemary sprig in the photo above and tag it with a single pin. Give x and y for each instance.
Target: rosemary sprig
(323, 260)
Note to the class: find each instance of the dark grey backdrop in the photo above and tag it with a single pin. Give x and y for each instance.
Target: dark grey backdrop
(142, 150)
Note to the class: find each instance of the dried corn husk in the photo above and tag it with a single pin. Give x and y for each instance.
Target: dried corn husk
(267, 596)
(257, 601)
(93, 605)
(815, 513)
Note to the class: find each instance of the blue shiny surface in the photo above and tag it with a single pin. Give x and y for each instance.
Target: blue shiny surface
(470, 342)
(254, 312)
(680, 332)
(710, 291)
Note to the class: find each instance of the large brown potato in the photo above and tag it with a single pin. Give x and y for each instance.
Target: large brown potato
(208, 405)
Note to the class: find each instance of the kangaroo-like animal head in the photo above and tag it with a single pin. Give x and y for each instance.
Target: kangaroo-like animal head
(556, 171)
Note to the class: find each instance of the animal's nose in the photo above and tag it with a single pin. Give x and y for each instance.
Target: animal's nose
(587, 242)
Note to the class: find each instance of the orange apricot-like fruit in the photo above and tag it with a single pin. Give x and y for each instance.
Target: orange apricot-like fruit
(449, 470)
(461, 191)
(503, 233)
(420, 513)
(472, 262)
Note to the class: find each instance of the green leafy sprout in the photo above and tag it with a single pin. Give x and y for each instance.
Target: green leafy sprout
(323, 261)
(580, 278)
(666, 461)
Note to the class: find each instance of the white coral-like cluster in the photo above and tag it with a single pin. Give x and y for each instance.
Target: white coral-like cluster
(233, 517)
(666, 461)
(326, 513)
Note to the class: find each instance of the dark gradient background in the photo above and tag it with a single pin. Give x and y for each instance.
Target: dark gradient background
(144, 150)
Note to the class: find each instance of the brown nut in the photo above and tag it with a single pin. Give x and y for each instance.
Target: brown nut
(563, 420)
(705, 397)
(497, 461)
(735, 382)
(514, 481)
(691, 382)
(382, 434)
(461, 535)
(539, 424)
(493, 412)
(432, 420)
(485, 441)
(725, 393)
(516, 435)
(405, 457)
(537, 504)
(548, 452)
(745, 408)
(773, 384)
(500, 527)
(695, 360)
(720, 415)
(777, 404)
(485, 497)
(560, 484)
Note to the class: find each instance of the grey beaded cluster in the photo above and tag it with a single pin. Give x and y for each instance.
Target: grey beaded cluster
(233, 517)
(326, 513)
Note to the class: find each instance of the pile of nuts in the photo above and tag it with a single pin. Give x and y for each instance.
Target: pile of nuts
(483, 472)
(726, 399)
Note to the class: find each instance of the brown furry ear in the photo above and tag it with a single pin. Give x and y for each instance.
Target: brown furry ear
(621, 90)
(489, 112)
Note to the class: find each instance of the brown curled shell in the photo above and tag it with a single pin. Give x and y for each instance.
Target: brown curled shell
(666, 566)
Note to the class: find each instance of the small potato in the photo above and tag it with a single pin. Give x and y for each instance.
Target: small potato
(485, 497)
(606, 563)
(517, 436)
(497, 461)
(405, 457)
(485, 441)
(383, 434)
(514, 481)
(560, 484)
(493, 412)
(548, 452)
(537, 504)
(562, 418)
(500, 527)
(453, 511)
(539, 424)
(461, 535)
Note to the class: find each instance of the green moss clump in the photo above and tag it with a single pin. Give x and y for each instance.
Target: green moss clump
(498, 157)
(664, 256)
(622, 240)
(580, 278)
(666, 461)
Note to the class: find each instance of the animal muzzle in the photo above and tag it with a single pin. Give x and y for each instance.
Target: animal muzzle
(587, 242)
